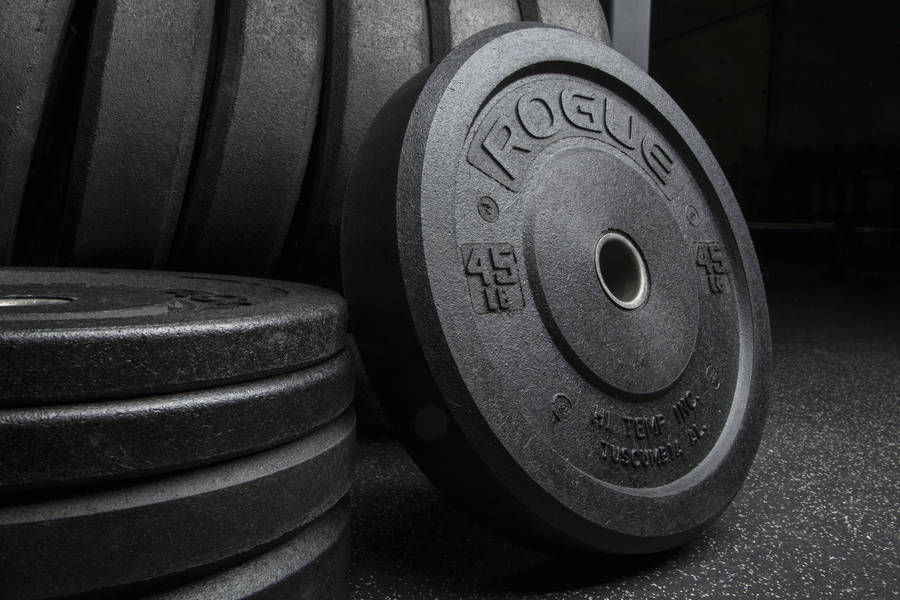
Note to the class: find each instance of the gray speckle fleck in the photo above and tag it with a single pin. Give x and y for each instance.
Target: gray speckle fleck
(817, 517)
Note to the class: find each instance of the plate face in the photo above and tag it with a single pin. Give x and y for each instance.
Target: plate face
(582, 290)
(633, 397)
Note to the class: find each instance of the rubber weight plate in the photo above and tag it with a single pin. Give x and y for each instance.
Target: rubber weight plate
(453, 21)
(69, 335)
(311, 566)
(583, 16)
(31, 35)
(80, 443)
(143, 92)
(257, 138)
(164, 529)
(552, 259)
(373, 48)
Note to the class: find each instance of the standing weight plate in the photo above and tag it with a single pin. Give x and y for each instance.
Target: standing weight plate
(553, 260)
(71, 334)
(312, 565)
(583, 16)
(31, 35)
(253, 152)
(143, 91)
(179, 527)
(373, 48)
(453, 21)
(48, 446)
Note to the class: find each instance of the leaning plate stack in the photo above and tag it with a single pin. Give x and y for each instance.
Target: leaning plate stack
(172, 435)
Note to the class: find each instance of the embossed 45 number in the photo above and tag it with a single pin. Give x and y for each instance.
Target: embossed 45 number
(493, 275)
(495, 263)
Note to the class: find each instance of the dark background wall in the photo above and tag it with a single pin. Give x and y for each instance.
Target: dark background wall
(799, 101)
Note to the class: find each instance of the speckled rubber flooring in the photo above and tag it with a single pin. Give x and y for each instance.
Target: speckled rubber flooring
(817, 517)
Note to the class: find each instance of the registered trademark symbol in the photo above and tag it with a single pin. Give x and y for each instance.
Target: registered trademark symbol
(488, 209)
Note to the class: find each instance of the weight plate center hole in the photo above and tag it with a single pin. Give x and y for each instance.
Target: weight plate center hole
(622, 270)
(31, 301)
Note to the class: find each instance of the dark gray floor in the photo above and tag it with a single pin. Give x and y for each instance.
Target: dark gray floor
(817, 517)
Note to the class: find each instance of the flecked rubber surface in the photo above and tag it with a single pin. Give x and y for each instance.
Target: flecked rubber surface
(127, 327)
(31, 34)
(311, 565)
(373, 47)
(47, 447)
(143, 92)
(256, 139)
(816, 518)
(110, 542)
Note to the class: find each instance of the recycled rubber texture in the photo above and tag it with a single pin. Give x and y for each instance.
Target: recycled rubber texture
(75, 444)
(119, 334)
(31, 35)
(310, 566)
(142, 97)
(471, 259)
(157, 532)
(257, 138)
(453, 21)
(582, 16)
(373, 47)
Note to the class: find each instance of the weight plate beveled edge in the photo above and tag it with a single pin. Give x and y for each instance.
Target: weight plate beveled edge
(314, 564)
(179, 527)
(75, 444)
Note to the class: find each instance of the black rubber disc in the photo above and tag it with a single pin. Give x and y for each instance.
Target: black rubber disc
(373, 48)
(551, 258)
(31, 34)
(69, 334)
(178, 527)
(71, 444)
(311, 566)
(143, 93)
(453, 21)
(583, 16)
(257, 138)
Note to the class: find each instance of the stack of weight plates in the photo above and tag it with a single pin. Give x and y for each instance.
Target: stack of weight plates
(172, 436)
